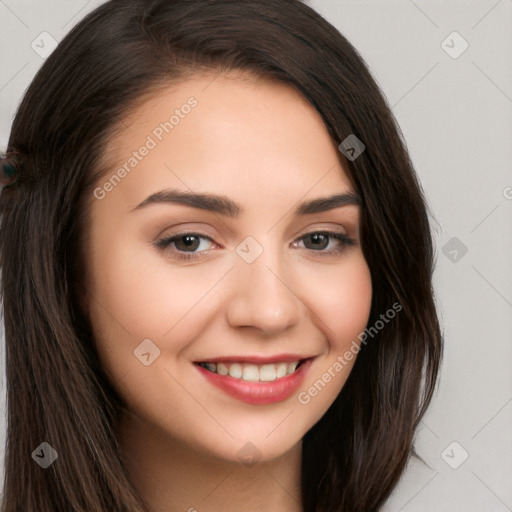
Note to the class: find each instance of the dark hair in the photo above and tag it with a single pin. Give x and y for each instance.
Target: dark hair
(57, 390)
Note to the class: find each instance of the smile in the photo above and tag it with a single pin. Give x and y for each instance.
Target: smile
(265, 383)
(253, 372)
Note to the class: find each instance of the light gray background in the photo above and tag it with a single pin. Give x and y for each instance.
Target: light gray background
(455, 114)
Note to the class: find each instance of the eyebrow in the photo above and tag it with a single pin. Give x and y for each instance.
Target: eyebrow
(226, 206)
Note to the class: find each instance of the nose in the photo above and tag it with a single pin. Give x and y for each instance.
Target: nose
(263, 297)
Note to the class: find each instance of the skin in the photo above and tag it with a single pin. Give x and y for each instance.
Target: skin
(264, 146)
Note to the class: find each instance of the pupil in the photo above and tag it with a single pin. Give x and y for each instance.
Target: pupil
(191, 241)
(318, 237)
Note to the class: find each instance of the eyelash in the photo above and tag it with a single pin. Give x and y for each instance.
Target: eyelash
(164, 243)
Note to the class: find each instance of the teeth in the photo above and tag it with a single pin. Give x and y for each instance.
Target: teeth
(235, 370)
(253, 372)
(268, 373)
(221, 369)
(281, 369)
(291, 367)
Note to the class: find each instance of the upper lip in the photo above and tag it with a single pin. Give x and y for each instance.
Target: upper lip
(256, 359)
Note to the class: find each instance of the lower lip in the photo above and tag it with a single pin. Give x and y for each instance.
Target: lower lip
(259, 392)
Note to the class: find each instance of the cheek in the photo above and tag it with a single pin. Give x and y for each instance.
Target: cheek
(137, 296)
(341, 299)
(343, 309)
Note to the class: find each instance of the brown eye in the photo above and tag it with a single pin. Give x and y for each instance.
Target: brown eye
(184, 245)
(187, 242)
(318, 241)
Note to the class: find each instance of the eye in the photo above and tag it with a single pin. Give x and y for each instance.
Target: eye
(186, 245)
(317, 241)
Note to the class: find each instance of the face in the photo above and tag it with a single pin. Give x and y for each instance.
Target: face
(225, 296)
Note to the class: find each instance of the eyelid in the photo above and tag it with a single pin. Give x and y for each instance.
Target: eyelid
(315, 228)
(305, 231)
(163, 242)
(166, 238)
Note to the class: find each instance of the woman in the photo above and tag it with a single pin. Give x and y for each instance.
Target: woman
(284, 362)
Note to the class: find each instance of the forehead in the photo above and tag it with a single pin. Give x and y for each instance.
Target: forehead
(230, 134)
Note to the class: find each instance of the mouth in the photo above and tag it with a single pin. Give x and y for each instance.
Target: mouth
(256, 380)
(250, 372)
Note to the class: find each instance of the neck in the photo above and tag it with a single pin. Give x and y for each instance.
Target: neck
(173, 477)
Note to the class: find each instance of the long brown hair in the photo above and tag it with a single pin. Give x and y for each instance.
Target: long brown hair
(57, 390)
